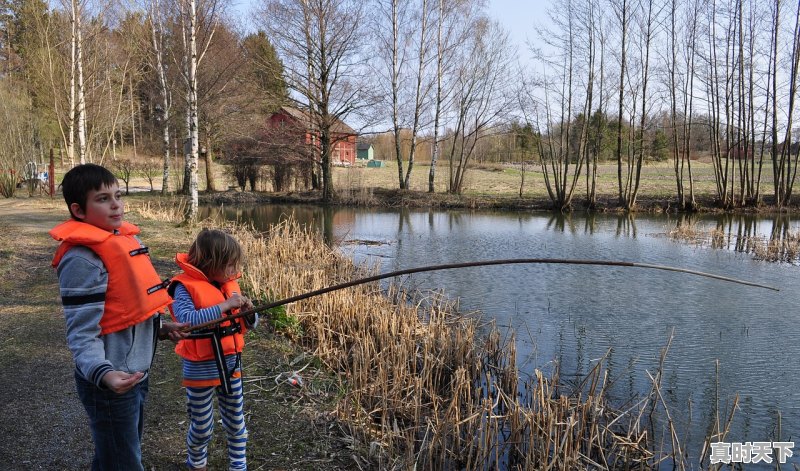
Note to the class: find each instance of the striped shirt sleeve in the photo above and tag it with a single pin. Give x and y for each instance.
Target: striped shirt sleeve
(184, 310)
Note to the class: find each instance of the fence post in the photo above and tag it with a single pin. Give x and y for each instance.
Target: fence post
(51, 175)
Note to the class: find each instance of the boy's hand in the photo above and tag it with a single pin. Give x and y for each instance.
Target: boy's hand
(173, 331)
(121, 382)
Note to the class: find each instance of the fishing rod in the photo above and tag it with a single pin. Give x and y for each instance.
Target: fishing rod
(450, 266)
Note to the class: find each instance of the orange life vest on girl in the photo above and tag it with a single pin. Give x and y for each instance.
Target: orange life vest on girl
(204, 295)
(135, 291)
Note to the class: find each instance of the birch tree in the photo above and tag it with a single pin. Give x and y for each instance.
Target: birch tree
(481, 95)
(197, 37)
(788, 162)
(452, 26)
(77, 67)
(622, 10)
(564, 118)
(156, 19)
(406, 46)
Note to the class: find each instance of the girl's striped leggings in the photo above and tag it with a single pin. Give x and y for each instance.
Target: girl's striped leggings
(201, 412)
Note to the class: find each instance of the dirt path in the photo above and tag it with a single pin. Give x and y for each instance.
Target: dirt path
(44, 426)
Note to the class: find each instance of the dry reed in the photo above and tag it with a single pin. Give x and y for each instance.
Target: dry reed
(425, 387)
(171, 209)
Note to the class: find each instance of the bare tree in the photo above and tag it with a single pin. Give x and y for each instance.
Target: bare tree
(788, 162)
(406, 44)
(481, 94)
(226, 99)
(563, 128)
(452, 27)
(80, 93)
(324, 64)
(156, 17)
(17, 139)
(200, 21)
(647, 33)
(622, 10)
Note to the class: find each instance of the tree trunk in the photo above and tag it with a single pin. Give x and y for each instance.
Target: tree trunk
(192, 112)
(396, 96)
(437, 113)
(209, 158)
(418, 95)
(624, 26)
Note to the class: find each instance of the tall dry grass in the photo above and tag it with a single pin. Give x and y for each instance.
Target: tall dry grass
(424, 387)
(166, 209)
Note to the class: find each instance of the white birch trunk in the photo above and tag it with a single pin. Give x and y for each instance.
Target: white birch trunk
(133, 115)
(157, 40)
(192, 111)
(72, 106)
(437, 113)
(81, 92)
(419, 95)
(395, 95)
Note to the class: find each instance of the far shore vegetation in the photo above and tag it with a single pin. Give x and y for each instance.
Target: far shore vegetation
(488, 185)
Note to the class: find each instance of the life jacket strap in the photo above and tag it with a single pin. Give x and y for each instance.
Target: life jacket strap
(163, 285)
(216, 335)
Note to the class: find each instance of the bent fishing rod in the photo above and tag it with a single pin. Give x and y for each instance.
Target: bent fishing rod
(450, 266)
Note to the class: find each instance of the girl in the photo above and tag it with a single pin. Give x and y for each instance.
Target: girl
(206, 290)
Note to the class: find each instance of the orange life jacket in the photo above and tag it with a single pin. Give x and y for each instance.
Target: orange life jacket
(204, 295)
(135, 291)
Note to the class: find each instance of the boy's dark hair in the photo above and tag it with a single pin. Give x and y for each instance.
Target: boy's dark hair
(78, 182)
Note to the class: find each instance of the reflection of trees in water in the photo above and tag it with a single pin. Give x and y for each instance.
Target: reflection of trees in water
(564, 222)
(743, 233)
(626, 226)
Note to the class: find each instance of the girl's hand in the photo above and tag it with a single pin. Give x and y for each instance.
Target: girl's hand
(248, 304)
(234, 302)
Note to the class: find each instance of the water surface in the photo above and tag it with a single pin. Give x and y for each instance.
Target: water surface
(575, 315)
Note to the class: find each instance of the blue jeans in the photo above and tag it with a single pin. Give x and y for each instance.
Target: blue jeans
(117, 423)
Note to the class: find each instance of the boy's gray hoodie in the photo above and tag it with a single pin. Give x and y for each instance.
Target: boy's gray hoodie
(83, 280)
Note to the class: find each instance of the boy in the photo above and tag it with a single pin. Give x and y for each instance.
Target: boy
(112, 296)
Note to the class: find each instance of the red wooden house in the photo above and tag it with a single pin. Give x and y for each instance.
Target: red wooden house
(343, 137)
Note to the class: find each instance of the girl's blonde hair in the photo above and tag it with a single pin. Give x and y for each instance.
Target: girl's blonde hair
(213, 250)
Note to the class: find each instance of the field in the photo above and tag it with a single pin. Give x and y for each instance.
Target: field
(658, 180)
(486, 185)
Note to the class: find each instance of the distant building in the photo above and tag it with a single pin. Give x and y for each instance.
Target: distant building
(343, 137)
(365, 151)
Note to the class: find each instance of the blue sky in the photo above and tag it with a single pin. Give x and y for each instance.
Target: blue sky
(517, 16)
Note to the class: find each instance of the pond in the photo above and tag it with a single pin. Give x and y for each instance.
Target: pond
(574, 315)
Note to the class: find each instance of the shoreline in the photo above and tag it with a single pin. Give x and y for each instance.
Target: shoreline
(386, 198)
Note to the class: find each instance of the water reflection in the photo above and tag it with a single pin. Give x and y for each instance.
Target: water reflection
(572, 316)
(768, 237)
